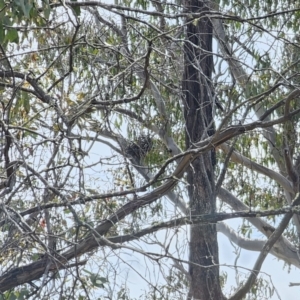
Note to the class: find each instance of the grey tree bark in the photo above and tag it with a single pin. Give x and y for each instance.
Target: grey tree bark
(198, 110)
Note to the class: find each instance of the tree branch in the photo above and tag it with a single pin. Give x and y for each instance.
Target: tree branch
(26, 274)
(242, 160)
(263, 254)
(290, 257)
(36, 269)
(283, 248)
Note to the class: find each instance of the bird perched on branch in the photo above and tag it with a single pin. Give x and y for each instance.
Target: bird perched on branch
(139, 148)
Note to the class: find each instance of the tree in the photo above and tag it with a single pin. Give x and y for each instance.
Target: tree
(138, 128)
(198, 106)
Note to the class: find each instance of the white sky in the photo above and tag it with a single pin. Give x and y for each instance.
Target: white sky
(280, 278)
(272, 266)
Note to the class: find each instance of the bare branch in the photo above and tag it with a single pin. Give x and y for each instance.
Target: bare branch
(266, 249)
(251, 165)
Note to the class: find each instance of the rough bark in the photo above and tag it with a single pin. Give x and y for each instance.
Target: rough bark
(198, 104)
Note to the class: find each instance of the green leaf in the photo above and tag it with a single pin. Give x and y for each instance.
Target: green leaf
(2, 34)
(12, 296)
(7, 21)
(96, 280)
(35, 256)
(76, 9)
(23, 294)
(26, 102)
(12, 35)
(47, 9)
(25, 5)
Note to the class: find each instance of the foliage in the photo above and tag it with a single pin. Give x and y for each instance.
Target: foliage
(79, 82)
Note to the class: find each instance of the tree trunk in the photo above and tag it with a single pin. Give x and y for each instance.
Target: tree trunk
(198, 104)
